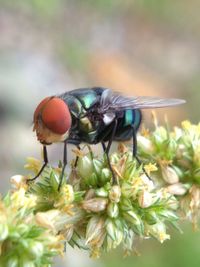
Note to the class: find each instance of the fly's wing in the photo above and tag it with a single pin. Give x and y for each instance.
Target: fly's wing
(111, 102)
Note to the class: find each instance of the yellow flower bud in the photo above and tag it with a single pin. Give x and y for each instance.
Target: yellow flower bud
(18, 181)
(19, 199)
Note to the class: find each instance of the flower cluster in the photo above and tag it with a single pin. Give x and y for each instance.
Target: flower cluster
(99, 209)
(177, 156)
(23, 242)
(118, 213)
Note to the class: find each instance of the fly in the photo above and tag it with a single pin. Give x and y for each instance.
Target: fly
(92, 116)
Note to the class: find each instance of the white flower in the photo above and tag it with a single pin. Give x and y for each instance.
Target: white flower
(169, 175)
(145, 199)
(178, 189)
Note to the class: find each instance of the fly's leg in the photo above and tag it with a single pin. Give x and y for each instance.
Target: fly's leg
(64, 164)
(135, 152)
(107, 150)
(76, 160)
(103, 146)
(45, 156)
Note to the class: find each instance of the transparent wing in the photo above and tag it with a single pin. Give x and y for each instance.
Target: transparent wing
(111, 101)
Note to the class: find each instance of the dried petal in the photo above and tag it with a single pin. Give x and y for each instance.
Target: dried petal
(95, 204)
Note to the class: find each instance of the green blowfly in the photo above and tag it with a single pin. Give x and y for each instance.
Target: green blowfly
(92, 115)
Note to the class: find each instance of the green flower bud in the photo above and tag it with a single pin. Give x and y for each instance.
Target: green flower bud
(172, 203)
(54, 180)
(151, 217)
(23, 229)
(125, 204)
(3, 231)
(114, 158)
(101, 192)
(135, 221)
(130, 170)
(145, 144)
(105, 175)
(127, 189)
(115, 193)
(168, 215)
(28, 263)
(171, 145)
(98, 166)
(160, 135)
(115, 234)
(35, 249)
(179, 172)
(113, 210)
(180, 151)
(196, 175)
(92, 180)
(128, 241)
(13, 261)
(110, 228)
(85, 167)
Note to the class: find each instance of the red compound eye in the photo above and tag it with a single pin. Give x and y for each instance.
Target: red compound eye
(39, 108)
(55, 114)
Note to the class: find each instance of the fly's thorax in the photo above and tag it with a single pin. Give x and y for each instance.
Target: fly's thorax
(86, 125)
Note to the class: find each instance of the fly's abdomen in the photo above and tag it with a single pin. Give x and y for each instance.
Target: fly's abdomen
(131, 119)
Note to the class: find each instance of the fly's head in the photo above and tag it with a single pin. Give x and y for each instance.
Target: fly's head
(52, 120)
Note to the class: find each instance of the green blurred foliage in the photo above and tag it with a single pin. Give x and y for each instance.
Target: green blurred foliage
(40, 7)
(74, 54)
(181, 250)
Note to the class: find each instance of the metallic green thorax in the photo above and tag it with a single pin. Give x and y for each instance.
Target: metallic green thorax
(88, 126)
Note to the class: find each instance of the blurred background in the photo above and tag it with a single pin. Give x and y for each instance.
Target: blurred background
(144, 47)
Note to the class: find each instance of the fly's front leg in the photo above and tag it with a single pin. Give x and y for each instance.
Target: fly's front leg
(77, 157)
(135, 152)
(45, 156)
(107, 150)
(64, 164)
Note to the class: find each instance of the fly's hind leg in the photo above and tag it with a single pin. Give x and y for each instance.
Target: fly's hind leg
(45, 157)
(135, 152)
(103, 146)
